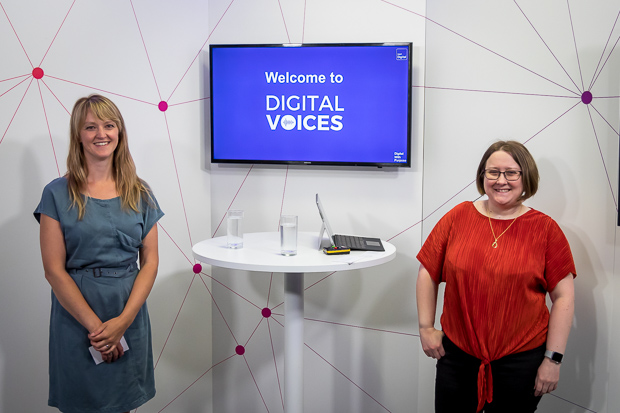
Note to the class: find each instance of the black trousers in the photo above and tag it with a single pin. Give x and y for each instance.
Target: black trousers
(456, 384)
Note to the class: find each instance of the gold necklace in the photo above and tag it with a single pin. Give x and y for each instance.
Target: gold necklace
(494, 245)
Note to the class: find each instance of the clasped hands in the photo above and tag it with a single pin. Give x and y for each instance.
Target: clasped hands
(106, 339)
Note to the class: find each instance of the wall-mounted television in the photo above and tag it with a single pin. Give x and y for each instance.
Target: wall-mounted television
(317, 104)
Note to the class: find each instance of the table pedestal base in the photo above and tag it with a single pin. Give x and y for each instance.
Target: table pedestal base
(294, 342)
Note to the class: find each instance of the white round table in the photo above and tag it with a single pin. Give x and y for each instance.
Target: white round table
(261, 252)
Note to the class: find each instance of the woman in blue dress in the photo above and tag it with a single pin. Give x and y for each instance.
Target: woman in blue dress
(96, 224)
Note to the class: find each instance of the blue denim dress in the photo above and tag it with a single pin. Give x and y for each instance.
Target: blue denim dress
(102, 251)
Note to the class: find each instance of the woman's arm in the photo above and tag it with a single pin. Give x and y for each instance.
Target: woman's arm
(112, 330)
(560, 322)
(426, 297)
(53, 254)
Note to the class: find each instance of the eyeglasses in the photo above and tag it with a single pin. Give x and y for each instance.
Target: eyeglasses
(494, 174)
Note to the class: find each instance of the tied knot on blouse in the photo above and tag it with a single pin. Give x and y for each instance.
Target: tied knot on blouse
(485, 384)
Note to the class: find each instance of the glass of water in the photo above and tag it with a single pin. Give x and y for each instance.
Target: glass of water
(288, 234)
(234, 231)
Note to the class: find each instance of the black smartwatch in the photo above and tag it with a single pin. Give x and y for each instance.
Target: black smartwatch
(553, 356)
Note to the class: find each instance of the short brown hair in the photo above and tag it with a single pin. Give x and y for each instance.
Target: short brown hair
(523, 157)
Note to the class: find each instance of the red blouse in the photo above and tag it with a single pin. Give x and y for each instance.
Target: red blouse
(494, 300)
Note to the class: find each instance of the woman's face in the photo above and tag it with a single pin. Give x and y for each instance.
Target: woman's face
(99, 138)
(503, 193)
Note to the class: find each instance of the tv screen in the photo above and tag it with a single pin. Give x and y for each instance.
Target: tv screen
(325, 104)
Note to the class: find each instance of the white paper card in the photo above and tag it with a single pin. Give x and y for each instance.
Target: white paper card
(97, 355)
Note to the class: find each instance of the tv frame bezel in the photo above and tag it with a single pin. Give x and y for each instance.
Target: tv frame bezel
(407, 164)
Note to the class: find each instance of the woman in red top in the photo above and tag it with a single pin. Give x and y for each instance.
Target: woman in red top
(499, 349)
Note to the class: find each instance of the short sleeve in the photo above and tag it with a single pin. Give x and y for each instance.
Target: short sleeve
(48, 204)
(151, 214)
(433, 252)
(558, 257)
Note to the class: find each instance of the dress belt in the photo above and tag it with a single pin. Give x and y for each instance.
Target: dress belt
(106, 272)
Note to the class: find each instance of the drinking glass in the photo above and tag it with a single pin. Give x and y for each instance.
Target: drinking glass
(288, 234)
(234, 231)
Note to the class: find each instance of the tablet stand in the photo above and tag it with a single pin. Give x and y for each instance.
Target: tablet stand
(322, 231)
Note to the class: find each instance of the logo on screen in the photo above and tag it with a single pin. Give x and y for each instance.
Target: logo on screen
(327, 109)
(400, 157)
(402, 54)
(288, 122)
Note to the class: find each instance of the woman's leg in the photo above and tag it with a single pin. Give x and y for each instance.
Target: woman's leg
(456, 384)
(513, 382)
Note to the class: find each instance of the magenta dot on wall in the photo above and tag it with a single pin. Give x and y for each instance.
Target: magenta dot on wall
(37, 73)
(586, 97)
(163, 106)
(240, 350)
(266, 312)
(197, 268)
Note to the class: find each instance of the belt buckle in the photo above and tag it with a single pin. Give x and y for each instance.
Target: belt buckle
(97, 272)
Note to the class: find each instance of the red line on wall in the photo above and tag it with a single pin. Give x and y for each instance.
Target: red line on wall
(230, 289)
(362, 327)
(102, 90)
(58, 31)
(174, 242)
(545, 43)
(47, 123)
(275, 364)
(479, 45)
(283, 194)
(53, 94)
(572, 27)
(303, 30)
(201, 48)
(495, 91)
(255, 383)
(603, 52)
(145, 49)
(598, 144)
(16, 35)
(608, 56)
(602, 117)
(14, 87)
(196, 381)
(284, 21)
(346, 377)
(175, 321)
(176, 170)
(16, 77)
(220, 311)
(190, 101)
(15, 113)
(552, 122)
(254, 331)
(233, 200)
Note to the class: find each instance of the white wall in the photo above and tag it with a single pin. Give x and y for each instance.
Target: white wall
(521, 91)
(481, 73)
(102, 46)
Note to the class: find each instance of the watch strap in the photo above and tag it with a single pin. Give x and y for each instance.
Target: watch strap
(554, 356)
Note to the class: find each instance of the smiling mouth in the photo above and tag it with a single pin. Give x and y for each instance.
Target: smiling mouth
(102, 143)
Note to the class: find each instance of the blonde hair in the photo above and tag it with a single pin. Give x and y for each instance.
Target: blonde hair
(129, 186)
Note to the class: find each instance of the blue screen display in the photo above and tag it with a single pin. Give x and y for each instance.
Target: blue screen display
(318, 104)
